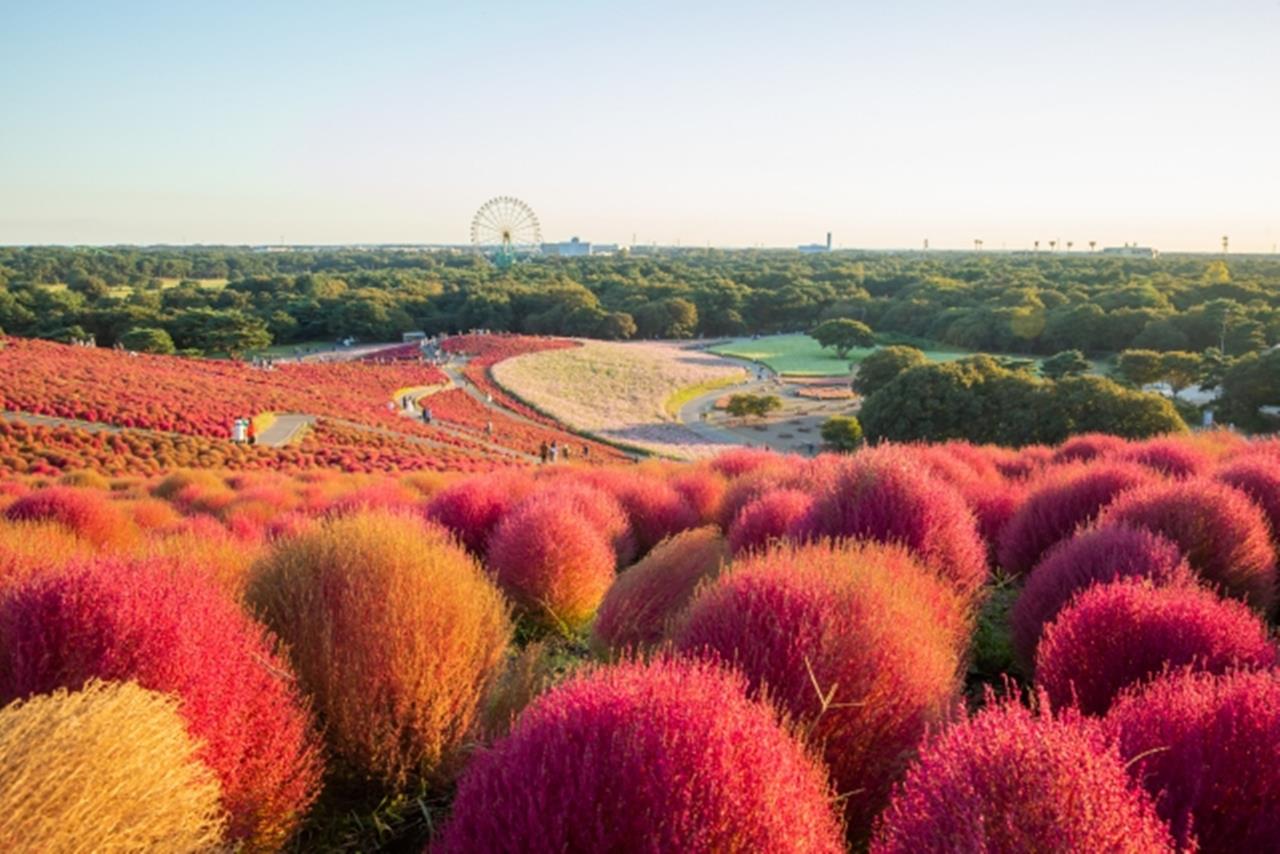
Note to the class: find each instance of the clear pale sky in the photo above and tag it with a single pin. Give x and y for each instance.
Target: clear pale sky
(733, 124)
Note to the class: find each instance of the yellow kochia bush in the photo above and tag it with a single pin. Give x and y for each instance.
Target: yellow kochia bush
(107, 768)
(394, 630)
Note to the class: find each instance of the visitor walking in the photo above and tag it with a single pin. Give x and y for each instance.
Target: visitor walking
(426, 415)
(543, 452)
(251, 431)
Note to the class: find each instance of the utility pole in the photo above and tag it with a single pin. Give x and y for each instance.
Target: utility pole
(1224, 244)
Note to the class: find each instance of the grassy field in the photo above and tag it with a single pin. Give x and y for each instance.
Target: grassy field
(800, 356)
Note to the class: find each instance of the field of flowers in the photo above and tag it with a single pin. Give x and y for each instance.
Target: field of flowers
(912, 648)
(618, 392)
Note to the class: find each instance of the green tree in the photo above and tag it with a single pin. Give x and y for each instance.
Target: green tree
(148, 341)
(1180, 369)
(1064, 364)
(1140, 367)
(880, 366)
(842, 432)
(617, 326)
(1250, 383)
(842, 335)
(753, 405)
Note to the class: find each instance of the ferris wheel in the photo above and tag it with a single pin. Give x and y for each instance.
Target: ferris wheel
(505, 225)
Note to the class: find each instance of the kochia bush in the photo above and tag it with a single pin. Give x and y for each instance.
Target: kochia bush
(109, 767)
(1175, 458)
(552, 562)
(1010, 780)
(116, 620)
(1208, 749)
(1087, 447)
(640, 605)
(1116, 635)
(1258, 478)
(669, 756)
(1223, 534)
(395, 632)
(472, 508)
(883, 495)
(1058, 505)
(856, 641)
(770, 517)
(1094, 556)
(86, 513)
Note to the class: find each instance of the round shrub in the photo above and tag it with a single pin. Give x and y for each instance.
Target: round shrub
(472, 508)
(768, 518)
(1087, 447)
(740, 461)
(1093, 556)
(1125, 633)
(110, 766)
(656, 509)
(668, 756)
(1223, 534)
(882, 495)
(120, 621)
(601, 510)
(394, 631)
(86, 513)
(1009, 780)
(1057, 506)
(856, 641)
(1175, 458)
(703, 490)
(642, 602)
(753, 486)
(552, 562)
(1258, 478)
(1207, 747)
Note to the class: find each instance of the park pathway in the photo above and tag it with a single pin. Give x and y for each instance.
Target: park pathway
(285, 430)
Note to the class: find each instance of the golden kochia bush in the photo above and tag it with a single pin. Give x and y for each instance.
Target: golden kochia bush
(394, 630)
(29, 548)
(107, 768)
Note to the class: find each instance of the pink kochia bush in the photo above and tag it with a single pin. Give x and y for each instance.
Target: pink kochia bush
(1223, 534)
(1010, 780)
(119, 621)
(1208, 749)
(552, 562)
(668, 756)
(883, 495)
(1175, 458)
(472, 508)
(601, 510)
(1116, 635)
(637, 610)
(856, 641)
(1258, 478)
(768, 518)
(703, 490)
(1060, 503)
(1087, 447)
(1093, 556)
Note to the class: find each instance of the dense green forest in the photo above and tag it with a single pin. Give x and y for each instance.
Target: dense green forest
(1018, 303)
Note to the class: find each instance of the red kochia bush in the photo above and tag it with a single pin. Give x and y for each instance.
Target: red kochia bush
(1057, 506)
(1258, 478)
(1125, 633)
(1009, 780)
(882, 495)
(768, 518)
(601, 510)
(878, 634)
(643, 600)
(703, 489)
(86, 513)
(655, 508)
(1208, 749)
(134, 621)
(553, 564)
(1171, 457)
(1223, 534)
(473, 507)
(1093, 556)
(1087, 447)
(739, 461)
(668, 756)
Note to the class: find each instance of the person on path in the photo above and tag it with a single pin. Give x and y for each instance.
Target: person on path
(426, 415)
(488, 428)
(586, 451)
(543, 452)
(252, 432)
(567, 450)
(555, 452)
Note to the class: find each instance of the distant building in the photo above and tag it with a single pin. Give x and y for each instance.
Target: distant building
(574, 248)
(817, 247)
(1131, 251)
(416, 335)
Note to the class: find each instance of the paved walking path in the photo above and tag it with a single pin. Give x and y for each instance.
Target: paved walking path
(285, 430)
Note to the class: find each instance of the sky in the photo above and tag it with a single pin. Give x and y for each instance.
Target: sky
(728, 124)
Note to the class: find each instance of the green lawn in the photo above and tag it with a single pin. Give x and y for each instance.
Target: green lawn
(800, 356)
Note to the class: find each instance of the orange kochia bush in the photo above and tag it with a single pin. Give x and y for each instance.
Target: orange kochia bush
(394, 630)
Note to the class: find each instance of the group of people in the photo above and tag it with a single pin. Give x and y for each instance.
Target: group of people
(262, 363)
(243, 432)
(553, 452)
